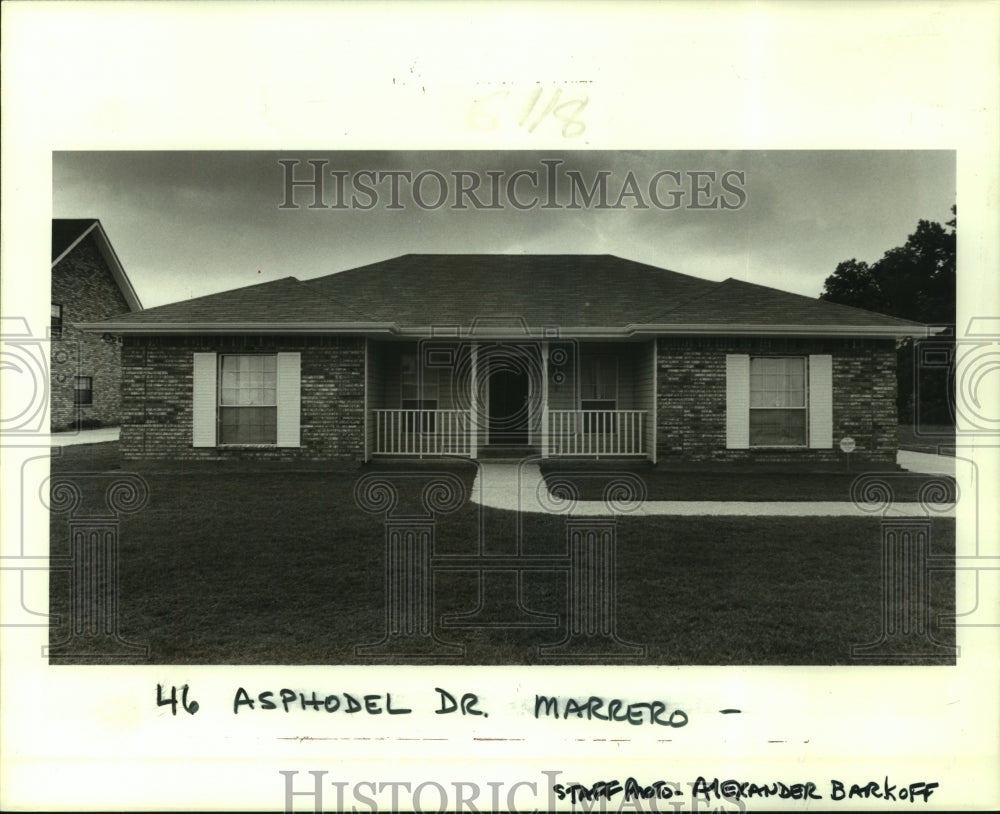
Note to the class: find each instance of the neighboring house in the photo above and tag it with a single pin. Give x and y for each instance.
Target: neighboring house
(563, 355)
(88, 284)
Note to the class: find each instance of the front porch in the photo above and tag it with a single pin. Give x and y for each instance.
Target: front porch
(482, 399)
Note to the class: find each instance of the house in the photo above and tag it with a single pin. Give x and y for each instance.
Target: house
(88, 284)
(470, 355)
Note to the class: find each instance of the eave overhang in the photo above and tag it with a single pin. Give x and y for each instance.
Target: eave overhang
(391, 329)
(231, 328)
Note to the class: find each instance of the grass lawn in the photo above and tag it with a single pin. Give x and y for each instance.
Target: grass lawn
(284, 568)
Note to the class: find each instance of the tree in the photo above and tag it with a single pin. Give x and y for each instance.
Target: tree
(914, 281)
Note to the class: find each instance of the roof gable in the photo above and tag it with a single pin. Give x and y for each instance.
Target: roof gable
(67, 234)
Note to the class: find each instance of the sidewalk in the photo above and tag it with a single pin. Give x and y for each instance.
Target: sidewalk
(521, 487)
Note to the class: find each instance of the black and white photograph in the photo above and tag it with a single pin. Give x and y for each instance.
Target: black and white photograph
(440, 407)
(463, 407)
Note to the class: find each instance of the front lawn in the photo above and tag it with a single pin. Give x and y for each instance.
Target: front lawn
(276, 567)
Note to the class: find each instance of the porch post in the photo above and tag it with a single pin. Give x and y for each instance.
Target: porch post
(474, 401)
(545, 399)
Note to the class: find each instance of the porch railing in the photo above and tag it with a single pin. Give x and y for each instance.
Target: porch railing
(422, 432)
(449, 432)
(597, 432)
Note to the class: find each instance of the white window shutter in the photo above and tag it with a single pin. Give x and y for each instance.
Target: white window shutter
(203, 400)
(737, 401)
(821, 401)
(289, 399)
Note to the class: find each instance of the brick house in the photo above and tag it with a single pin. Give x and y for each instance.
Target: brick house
(88, 284)
(559, 355)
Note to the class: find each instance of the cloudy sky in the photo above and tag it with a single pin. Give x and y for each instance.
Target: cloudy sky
(186, 224)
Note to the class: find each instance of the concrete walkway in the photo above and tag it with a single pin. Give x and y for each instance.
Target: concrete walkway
(926, 463)
(99, 436)
(521, 487)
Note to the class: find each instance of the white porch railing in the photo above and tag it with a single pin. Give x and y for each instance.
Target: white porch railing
(449, 432)
(597, 432)
(422, 432)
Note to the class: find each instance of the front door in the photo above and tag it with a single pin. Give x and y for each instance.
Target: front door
(508, 411)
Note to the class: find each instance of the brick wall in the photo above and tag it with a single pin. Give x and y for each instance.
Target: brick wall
(83, 284)
(157, 381)
(691, 399)
(691, 395)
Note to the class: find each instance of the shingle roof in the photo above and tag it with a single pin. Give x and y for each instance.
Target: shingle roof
(279, 301)
(587, 292)
(736, 302)
(541, 289)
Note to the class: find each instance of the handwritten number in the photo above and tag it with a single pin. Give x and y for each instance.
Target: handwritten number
(572, 126)
(191, 708)
(532, 114)
(171, 701)
(529, 107)
(548, 109)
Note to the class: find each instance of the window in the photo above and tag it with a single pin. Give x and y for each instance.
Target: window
(598, 391)
(248, 405)
(777, 401)
(246, 399)
(84, 391)
(56, 328)
(419, 390)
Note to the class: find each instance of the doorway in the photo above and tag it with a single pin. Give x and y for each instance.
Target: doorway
(508, 407)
